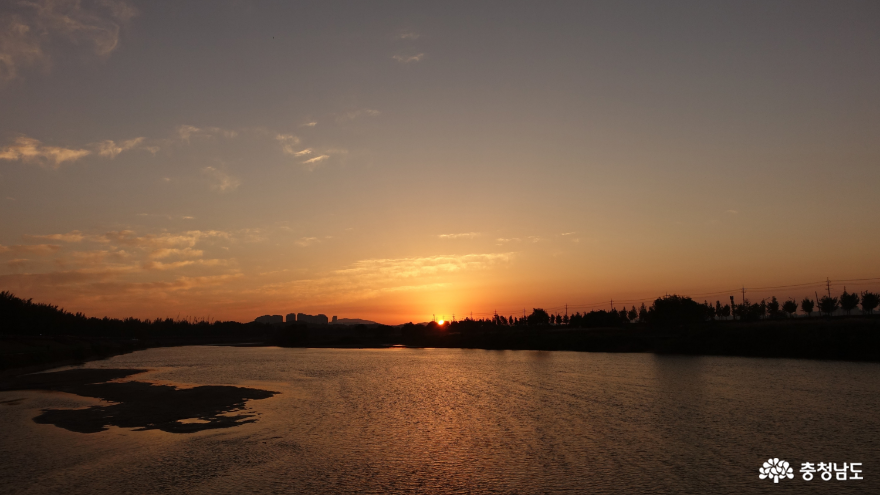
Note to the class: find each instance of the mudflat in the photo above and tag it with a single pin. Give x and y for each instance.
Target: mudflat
(139, 405)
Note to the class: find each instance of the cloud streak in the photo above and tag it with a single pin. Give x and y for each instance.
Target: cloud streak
(306, 241)
(111, 149)
(466, 235)
(121, 269)
(30, 150)
(288, 141)
(72, 236)
(408, 59)
(186, 132)
(313, 163)
(364, 112)
(34, 249)
(422, 267)
(221, 181)
(372, 278)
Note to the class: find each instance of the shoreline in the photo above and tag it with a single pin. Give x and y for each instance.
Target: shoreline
(853, 340)
(72, 350)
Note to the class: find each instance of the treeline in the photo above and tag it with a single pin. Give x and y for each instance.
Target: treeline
(26, 318)
(683, 310)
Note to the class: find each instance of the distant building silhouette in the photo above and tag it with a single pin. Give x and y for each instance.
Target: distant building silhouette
(291, 317)
(334, 319)
(319, 319)
(273, 319)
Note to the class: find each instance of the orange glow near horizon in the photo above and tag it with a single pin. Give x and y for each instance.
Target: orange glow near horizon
(605, 172)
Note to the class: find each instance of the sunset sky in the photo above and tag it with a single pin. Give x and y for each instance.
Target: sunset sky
(391, 161)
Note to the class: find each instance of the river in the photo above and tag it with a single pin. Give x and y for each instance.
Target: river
(465, 421)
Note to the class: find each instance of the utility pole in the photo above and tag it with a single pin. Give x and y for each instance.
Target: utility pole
(566, 309)
(744, 295)
(828, 285)
(733, 308)
(612, 303)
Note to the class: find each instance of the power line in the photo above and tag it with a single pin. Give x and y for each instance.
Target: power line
(605, 303)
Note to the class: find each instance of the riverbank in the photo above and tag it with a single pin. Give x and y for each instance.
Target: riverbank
(842, 339)
(845, 339)
(28, 354)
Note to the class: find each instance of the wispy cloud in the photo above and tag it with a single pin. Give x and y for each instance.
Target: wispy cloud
(34, 249)
(306, 241)
(72, 236)
(372, 278)
(29, 30)
(424, 266)
(111, 149)
(406, 59)
(288, 141)
(28, 149)
(115, 265)
(174, 265)
(408, 35)
(306, 151)
(466, 235)
(309, 124)
(567, 233)
(186, 132)
(186, 252)
(313, 163)
(221, 181)
(364, 112)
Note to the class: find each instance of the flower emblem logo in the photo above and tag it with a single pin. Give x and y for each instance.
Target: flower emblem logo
(774, 468)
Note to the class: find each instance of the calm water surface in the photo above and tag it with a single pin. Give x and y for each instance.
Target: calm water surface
(465, 421)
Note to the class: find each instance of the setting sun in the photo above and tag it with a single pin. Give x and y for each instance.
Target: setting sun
(441, 322)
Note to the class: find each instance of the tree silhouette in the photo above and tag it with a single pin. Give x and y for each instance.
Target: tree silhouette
(643, 312)
(828, 305)
(747, 311)
(790, 307)
(538, 317)
(807, 305)
(773, 307)
(725, 311)
(849, 301)
(633, 314)
(870, 300)
(676, 310)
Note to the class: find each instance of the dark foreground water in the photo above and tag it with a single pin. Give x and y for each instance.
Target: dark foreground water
(464, 421)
